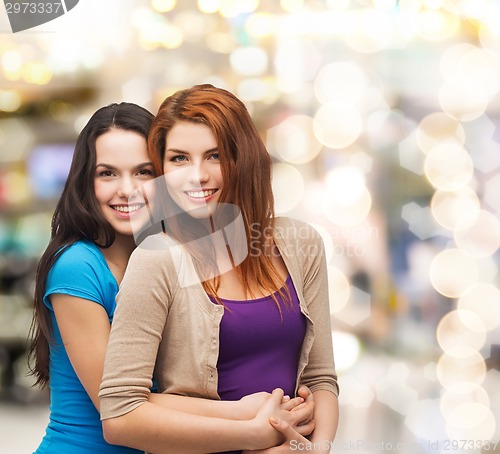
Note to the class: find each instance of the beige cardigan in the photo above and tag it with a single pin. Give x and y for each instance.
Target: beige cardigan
(160, 325)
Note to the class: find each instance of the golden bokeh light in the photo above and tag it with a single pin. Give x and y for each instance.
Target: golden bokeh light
(448, 167)
(348, 215)
(461, 328)
(163, 6)
(209, 6)
(10, 100)
(452, 272)
(436, 128)
(460, 394)
(482, 238)
(484, 300)
(293, 140)
(337, 126)
(340, 82)
(286, 177)
(249, 61)
(459, 366)
(471, 421)
(456, 210)
(435, 25)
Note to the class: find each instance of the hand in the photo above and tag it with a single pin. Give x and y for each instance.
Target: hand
(249, 406)
(266, 435)
(305, 427)
(294, 442)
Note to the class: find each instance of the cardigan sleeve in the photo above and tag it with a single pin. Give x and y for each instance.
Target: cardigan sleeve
(136, 333)
(319, 372)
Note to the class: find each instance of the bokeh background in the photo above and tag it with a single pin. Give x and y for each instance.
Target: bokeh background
(381, 117)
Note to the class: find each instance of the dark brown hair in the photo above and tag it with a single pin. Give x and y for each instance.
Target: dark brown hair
(77, 216)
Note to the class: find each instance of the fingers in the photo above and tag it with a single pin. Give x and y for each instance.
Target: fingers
(282, 426)
(291, 403)
(302, 413)
(307, 428)
(304, 391)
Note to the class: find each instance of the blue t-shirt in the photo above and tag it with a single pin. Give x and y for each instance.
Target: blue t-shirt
(75, 425)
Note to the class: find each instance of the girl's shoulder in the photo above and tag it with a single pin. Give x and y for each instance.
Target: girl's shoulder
(290, 229)
(79, 254)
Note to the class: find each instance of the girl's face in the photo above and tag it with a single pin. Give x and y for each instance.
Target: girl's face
(122, 165)
(192, 169)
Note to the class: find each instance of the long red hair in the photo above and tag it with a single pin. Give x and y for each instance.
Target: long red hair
(245, 166)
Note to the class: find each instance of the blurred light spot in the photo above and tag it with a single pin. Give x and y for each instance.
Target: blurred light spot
(455, 210)
(60, 110)
(249, 61)
(291, 6)
(347, 349)
(410, 157)
(16, 188)
(337, 127)
(355, 393)
(10, 100)
(293, 140)
(420, 220)
(261, 25)
(460, 394)
(461, 328)
(340, 213)
(424, 418)
(393, 390)
(163, 5)
(220, 42)
(358, 308)
(484, 300)
(371, 31)
(209, 6)
(252, 90)
(233, 8)
(460, 365)
(36, 73)
(12, 62)
(452, 272)
(471, 421)
(339, 289)
(194, 26)
(340, 82)
(16, 139)
(437, 26)
(345, 185)
(137, 90)
(482, 239)
(288, 187)
(448, 167)
(492, 191)
(436, 128)
(338, 5)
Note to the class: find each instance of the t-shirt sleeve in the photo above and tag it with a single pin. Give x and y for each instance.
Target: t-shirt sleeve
(77, 272)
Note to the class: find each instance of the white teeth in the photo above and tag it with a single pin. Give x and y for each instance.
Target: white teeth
(200, 194)
(126, 209)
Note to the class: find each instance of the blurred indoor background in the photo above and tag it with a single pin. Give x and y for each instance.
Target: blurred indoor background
(381, 117)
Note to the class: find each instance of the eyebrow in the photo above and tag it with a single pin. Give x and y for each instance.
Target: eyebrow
(176, 150)
(111, 167)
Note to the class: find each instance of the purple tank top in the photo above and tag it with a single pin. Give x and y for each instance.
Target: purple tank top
(258, 350)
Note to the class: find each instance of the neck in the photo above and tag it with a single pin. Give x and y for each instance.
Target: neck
(119, 252)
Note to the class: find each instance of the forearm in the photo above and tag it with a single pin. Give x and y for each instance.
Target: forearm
(199, 406)
(155, 429)
(326, 416)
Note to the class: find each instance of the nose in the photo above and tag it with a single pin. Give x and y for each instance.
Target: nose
(126, 187)
(198, 174)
